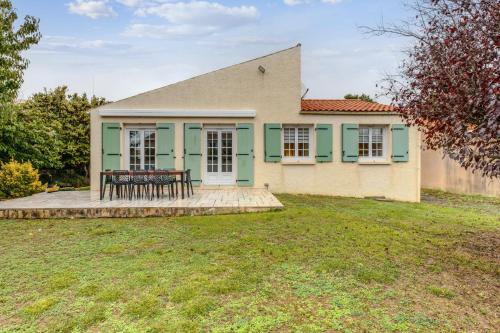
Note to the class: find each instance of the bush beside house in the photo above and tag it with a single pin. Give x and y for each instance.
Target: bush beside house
(19, 180)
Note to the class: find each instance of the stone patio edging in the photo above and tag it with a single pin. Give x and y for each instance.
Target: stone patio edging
(124, 212)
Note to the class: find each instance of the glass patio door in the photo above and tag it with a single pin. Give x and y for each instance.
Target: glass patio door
(219, 169)
(141, 148)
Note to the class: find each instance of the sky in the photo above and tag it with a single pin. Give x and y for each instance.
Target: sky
(118, 48)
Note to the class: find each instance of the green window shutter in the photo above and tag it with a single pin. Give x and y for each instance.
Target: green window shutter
(192, 151)
(272, 142)
(244, 154)
(165, 146)
(111, 154)
(350, 139)
(400, 140)
(324, 139)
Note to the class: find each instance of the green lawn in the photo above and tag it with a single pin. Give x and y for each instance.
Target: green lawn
(322, 264)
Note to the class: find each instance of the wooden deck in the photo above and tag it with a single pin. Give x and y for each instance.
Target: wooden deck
(86, 204)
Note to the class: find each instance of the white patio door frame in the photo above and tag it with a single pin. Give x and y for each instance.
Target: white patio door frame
(141, 130)
(213, 172)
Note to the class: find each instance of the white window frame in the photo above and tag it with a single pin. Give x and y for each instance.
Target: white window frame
(371, 158)
(141, 128)
(297, 158)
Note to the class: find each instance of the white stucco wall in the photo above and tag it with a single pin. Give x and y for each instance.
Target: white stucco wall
(443, 173)
(275, 95)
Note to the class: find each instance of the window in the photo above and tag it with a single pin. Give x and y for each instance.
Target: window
(296, 142)
(372, 142)
(227, 151)
(212, 151)
(149, 149)
(135, 149)
(141, 148)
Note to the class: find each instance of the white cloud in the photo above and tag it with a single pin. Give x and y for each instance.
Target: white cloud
(167, 31)
(301, 2)
(295, 2)
(195, 18)
(131, 3)
(201, 13)
(101, 44)
(57, 44)
(91, 8)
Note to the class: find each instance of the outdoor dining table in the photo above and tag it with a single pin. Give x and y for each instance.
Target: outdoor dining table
(109, 173)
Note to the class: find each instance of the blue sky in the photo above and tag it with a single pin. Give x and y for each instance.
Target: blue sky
(117, 48)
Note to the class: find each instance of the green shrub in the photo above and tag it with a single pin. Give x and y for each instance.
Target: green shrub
(69, 178)
(83, 188)
(19, 180)
(65, 189)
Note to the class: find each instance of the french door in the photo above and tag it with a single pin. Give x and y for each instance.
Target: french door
(220, 156)
(141, 148)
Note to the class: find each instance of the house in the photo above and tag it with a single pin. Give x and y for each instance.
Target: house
(247, 125)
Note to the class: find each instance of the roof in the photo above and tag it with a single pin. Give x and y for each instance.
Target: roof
(328, 106)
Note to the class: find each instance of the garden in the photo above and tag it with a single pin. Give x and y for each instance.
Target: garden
(322, 264)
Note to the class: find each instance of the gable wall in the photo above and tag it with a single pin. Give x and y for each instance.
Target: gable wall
(240, 86)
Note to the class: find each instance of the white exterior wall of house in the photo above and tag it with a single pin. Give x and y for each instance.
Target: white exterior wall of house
(275, 96)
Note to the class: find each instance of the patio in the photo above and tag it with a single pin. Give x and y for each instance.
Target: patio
(86, 204)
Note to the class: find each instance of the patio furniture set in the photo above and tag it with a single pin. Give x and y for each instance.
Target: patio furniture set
(140, 184)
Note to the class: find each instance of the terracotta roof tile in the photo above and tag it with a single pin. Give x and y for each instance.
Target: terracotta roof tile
(342, 105)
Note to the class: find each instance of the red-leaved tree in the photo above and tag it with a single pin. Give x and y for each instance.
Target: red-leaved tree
(449, 85)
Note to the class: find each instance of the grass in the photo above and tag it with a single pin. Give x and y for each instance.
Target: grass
(40, 306)
(322, 264)
(441, 292)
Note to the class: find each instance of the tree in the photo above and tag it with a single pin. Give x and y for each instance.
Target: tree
(22, 137)
(12, 43)
(69, 115)
(29, 137)
(363, 97)
(449, 85)
(51, 130)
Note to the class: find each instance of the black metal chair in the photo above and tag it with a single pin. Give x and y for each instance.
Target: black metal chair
(187, 181)
(120, 180)
(159, 179)
(140, 184)
(107, 181)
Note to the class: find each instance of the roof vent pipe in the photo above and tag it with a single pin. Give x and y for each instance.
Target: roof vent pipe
(305, 93)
